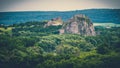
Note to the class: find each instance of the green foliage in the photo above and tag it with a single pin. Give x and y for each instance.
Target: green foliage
(67, 50)
(30, 45)
(103, 49)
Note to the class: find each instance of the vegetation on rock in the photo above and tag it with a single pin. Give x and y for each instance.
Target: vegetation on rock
(30, 45)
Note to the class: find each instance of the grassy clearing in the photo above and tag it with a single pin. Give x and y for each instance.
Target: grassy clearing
(107, 24)
(7, 30)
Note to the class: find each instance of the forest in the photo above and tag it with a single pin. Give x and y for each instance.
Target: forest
(96, 15)
(30, 45)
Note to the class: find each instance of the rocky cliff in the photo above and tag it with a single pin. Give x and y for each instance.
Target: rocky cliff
(54, 22)
(78, 24)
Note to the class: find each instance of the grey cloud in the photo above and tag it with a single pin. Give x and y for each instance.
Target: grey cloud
(5, 4)
(111, 3)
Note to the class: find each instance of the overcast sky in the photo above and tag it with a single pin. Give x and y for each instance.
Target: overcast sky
(56, 5)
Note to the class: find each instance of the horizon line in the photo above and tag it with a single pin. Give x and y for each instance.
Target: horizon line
(56, 10)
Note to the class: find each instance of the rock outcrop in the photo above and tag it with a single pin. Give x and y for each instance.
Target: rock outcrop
(78, 24)
(54, 22)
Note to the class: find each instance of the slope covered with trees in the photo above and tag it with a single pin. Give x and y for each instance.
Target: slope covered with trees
(30, 45)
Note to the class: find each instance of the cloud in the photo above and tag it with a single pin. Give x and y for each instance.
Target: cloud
(111, 3)
(5, 4)
(60, 5)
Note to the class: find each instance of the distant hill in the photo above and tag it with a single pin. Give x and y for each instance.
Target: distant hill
(96, 15)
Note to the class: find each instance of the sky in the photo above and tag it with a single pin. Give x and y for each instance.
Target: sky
(56, 5)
